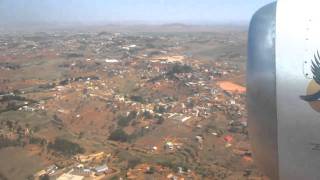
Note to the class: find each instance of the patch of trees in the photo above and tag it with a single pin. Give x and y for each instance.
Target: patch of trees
(160, 109)
(137, 99)
(5, 142)
(152, 53)
(65, 147)
(37, 140)
(64, 65)
(205, 172)
(3, 92)
(64, 82)
(138, 133)
(132, 115)
(119, 135)
(147, 115)
(57, 121)
(10, 66)
(73, 55)
(133, 162)
(155, 79)
(103, 33)
(47, 86)
(175, 69)
(9, 124)
(14, 102)
(179, 68)
(124, 121)
(12, 97)
(45, 177)
(191, 103)
(160, 119)
(171, 99)
(3, 177)
(12, 106)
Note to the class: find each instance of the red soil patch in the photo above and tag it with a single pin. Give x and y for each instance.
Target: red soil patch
(229, 86)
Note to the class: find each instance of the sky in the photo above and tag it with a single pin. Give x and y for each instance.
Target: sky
(129, 11)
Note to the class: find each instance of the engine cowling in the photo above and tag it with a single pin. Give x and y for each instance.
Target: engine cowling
(283, 81)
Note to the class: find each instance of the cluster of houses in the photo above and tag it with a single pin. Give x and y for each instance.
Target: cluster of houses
(84, 167)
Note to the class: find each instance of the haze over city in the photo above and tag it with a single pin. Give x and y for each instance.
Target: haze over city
(204, 12)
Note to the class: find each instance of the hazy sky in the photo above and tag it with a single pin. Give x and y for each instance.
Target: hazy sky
(122, 11)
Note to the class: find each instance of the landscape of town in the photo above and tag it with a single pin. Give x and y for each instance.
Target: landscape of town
(163, 102)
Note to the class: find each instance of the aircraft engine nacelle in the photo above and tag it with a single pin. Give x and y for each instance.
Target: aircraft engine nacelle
(283, 95)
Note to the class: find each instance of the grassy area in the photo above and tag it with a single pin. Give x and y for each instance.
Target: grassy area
(18, 163)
